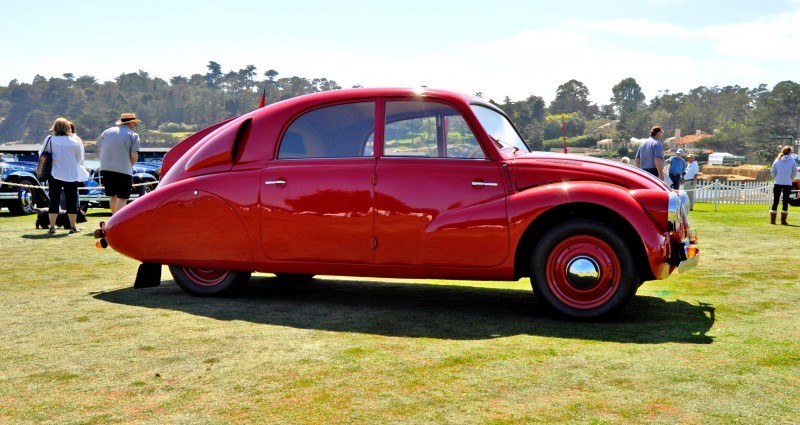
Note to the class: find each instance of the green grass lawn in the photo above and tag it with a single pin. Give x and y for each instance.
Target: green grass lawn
(718, 344)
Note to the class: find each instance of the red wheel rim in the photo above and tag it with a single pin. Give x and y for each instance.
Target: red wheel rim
(205, 277)
(589, 293)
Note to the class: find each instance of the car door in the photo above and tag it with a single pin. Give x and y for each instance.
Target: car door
(317, 195)
(438, 200)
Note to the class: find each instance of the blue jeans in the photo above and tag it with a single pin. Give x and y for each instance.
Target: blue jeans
(676, 180)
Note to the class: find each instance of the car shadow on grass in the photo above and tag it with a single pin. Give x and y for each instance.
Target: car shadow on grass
(421, 310)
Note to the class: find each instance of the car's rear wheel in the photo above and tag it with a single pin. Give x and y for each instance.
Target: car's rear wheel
(584, 269)
(26, 199)
(208, 282)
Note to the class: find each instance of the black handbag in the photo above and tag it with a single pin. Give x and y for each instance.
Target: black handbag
(44, 168)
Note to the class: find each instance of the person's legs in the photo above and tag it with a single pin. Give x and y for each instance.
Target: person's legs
(112, 203)
(120, 203)
(118, 188)
(71, 195)
(676, 181)
(786, 191)
(688, 187)
(776, 196)
(55, 201)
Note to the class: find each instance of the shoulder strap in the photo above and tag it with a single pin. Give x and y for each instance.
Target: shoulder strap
(49, 138)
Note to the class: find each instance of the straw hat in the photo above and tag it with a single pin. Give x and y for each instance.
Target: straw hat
(127, 119)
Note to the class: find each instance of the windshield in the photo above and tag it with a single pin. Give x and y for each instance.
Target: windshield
(499, 128)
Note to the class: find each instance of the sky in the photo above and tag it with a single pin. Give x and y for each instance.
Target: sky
(497, 47)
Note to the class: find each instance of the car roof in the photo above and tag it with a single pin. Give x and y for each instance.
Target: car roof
(19, 147)
(344, 95)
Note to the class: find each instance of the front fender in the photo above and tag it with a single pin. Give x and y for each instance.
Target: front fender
(16, 176)
(527, 207)
(143, 177)
(185, 223)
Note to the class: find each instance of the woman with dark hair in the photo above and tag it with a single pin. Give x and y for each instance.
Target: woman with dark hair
(67, 151)
(783, 170)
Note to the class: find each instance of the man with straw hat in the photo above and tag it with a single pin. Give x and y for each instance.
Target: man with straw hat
(119, 149)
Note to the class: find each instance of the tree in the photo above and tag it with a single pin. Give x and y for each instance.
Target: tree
(628, 100)
(271, 74)
(528, 117)
(777, 114)
(213, 75)
(572, 96)
(574, 125)
(178, 80)
(627, 96)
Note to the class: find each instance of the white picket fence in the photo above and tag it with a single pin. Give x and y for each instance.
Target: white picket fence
(733, 192)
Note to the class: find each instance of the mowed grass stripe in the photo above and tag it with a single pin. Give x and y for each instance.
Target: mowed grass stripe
(716, 344)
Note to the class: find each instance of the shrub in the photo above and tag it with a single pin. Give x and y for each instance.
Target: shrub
(176, 127)
(573, 142)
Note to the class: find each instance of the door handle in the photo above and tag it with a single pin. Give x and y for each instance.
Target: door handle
(482, 184)
(279, 182)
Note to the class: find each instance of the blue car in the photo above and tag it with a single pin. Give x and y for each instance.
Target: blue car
(145, 177)
(18, 167)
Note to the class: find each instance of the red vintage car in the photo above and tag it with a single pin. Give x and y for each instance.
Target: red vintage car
(403, 183)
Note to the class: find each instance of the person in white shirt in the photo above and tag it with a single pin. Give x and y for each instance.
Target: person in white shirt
(67, 151)
(667, 178)
(689, 182)
(784, 170)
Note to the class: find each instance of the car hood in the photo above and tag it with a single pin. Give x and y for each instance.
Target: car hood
(145, 167)
(12, 166)
(538, 168)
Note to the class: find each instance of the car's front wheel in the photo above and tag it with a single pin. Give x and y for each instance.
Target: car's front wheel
(145, 188)
(26, 199)
(208, 282)
(584, 269)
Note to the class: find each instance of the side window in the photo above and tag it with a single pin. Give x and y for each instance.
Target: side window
(461, 143)
(338, 131)
(428, 130)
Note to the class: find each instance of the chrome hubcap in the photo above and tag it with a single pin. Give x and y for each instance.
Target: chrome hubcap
(583, 272)
(26, 199)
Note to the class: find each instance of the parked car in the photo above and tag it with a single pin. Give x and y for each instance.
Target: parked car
(403, 183)
(152, 156)
(18, 166)
(145, 177)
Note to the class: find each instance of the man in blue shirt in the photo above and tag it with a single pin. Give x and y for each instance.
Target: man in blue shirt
(650, 156)
(676, 169)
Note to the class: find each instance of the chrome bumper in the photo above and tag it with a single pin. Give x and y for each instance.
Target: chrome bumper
(102, 198)
(9, 196)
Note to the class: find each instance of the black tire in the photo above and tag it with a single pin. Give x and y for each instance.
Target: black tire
(26, 199)
(208, 282)
(294, 277)
(583, 269)
(145, 189)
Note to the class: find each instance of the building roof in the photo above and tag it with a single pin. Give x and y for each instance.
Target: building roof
(692, 138)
